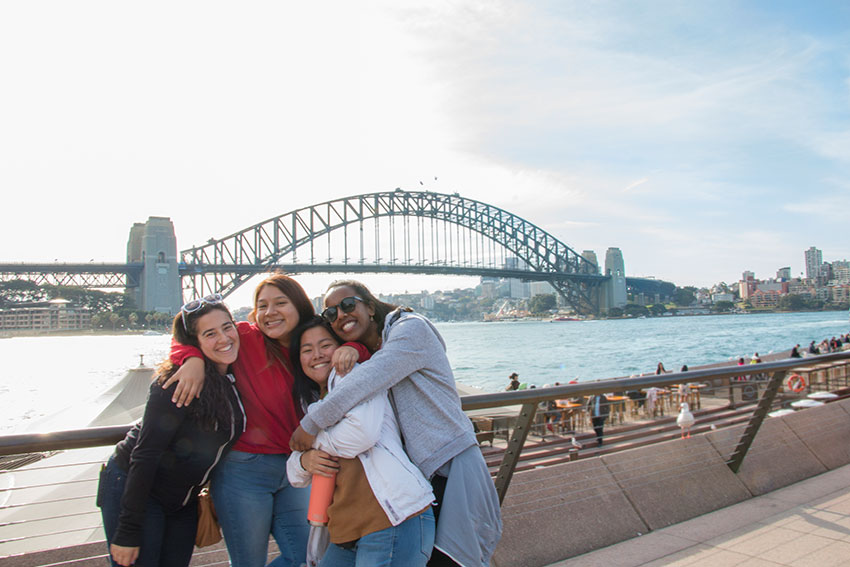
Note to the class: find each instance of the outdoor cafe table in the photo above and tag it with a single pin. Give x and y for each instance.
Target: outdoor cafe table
(693, 397)
(573, 411)
(618, 407)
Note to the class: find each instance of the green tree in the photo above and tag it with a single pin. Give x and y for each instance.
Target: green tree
(615, 312)
(20, 291)
(722, 306)
(542, 303)
(114, 318)
(657, 309)
(685, 296)
(635, 310)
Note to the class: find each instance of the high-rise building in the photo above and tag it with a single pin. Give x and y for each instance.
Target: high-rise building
(814, 260)
(783, 273)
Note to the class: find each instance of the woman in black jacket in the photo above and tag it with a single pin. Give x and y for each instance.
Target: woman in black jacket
(149, 487)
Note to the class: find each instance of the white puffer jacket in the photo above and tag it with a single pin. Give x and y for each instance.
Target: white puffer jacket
(370, 432)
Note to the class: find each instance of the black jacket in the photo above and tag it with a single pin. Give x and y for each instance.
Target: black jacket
(168, 457)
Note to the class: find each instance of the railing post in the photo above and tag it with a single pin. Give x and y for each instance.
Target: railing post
(514, 448)
(761, 411)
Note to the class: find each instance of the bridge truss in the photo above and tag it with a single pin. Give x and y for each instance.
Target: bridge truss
(399, 231)
(91, 275)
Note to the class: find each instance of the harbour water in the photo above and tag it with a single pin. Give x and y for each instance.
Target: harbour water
(42, 376)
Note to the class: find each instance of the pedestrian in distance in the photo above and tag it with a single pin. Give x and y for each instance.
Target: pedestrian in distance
(598, 408)
(514, 382)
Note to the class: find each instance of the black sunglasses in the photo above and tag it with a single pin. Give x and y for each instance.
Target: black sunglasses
(347, 305)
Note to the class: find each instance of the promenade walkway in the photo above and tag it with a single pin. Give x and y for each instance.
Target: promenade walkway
(806, 524)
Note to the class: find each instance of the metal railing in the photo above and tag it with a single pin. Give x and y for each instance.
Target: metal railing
(45, 475)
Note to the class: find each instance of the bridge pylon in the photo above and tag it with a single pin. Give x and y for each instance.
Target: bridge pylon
(154, 245)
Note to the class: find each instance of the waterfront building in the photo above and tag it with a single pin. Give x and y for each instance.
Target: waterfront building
(840, 272)
(427, 302)
(722, 296)
(765, 299)
(519, 289)
(814, 261)
(53, 315)
(541, 288)
(799, 287)
(840, 293)
(488, 288)
(747, 285)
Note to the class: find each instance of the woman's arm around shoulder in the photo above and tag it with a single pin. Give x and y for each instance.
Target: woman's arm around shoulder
(411, 345)
(358, 431)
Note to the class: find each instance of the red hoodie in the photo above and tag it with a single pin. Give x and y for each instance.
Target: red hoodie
(265, 387)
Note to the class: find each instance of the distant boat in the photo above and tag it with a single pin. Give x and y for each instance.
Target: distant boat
(565, 319)
(150, 333)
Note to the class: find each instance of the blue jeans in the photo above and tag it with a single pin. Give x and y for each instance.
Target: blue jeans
(253, 498)
(408, 544)
(168, 539)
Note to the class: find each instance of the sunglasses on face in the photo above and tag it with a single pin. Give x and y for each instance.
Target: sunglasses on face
(347, 305)
(195, 304)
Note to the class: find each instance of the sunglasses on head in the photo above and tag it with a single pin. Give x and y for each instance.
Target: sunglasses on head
(346, 305)
(195, 304)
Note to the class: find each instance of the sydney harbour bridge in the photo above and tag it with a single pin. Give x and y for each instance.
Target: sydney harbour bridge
(410, 232)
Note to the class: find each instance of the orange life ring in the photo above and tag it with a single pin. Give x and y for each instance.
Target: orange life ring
(796, 383)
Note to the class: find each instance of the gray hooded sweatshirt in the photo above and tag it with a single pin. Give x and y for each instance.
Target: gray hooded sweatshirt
(412, 364)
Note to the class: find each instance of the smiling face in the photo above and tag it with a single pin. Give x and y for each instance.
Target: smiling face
(218, 338)
(276, 315)
(315, 352)
(356, 325)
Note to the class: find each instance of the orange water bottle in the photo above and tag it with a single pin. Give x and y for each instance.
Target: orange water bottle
(321, 494)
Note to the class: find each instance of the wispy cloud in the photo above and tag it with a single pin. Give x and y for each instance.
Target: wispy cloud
(634, 184)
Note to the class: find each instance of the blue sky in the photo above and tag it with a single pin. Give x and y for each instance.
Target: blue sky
(702, 139)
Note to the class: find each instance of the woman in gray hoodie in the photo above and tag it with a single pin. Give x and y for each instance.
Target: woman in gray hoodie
(409, 359)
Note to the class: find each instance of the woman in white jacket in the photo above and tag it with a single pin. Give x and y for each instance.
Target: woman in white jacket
(381, 511)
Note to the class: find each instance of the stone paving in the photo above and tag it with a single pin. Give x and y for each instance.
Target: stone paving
(806, 524)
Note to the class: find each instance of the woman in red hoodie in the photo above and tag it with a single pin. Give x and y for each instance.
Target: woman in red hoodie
(252, 495)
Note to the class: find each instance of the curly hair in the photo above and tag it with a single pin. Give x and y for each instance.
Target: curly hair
(213, 407)
(382, 308)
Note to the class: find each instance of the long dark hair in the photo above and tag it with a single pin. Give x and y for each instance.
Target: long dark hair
(213, 407)
(296, 294)
(381, 308)
(304, 390)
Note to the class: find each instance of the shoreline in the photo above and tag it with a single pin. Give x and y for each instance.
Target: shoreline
(12, 333)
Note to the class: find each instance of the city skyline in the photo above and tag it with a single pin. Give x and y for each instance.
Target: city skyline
(701, 140)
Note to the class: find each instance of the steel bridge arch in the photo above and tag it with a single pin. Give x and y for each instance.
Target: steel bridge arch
(222, 265)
